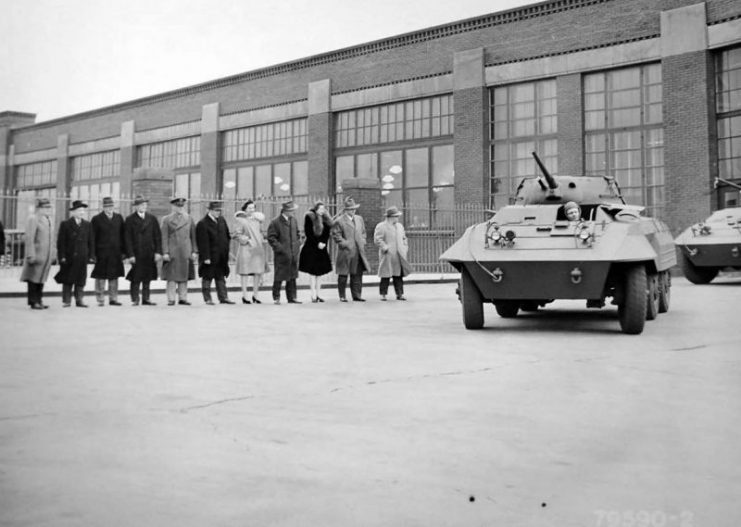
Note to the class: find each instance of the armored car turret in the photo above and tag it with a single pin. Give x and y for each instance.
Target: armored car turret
(531, 253)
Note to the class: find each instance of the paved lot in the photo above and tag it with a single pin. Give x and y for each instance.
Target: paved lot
(378, 414)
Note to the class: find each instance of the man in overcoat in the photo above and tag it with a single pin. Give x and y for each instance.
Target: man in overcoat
(213, 238)
(108, 233)
(283, 237)
(348, 232)
(178, 252)
(143, 249)
(75, 248)
(39, 243)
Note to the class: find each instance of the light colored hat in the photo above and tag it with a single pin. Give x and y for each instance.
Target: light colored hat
(350, 204)
(393, 212)
(570, 205)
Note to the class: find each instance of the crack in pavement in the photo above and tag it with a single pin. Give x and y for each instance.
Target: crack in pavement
(20, 417)
(214, 403)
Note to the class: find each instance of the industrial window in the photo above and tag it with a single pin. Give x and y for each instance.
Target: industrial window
(101, 165)
(403, 121)
(282, 179)
(188, 185)
(728, 105)
(624, 135)
(265, 140)
(177, 153)
(36, 175)
(523, 119)
(93, 194)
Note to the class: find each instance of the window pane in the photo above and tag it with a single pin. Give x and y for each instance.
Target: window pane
(245, 176)
(282, 179)
(417, 170)
(442, 165)
(263, 181)
(391, 170)
(300, 178)
(367, 166)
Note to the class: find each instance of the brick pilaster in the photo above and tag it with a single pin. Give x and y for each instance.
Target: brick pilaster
(320, 140)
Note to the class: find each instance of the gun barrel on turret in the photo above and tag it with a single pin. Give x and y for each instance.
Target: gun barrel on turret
(552, 183)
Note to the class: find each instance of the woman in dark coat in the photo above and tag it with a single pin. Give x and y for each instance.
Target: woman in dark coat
(75, 246)
(314, 258)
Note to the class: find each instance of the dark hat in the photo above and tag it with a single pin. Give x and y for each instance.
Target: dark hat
(108, 201)
(215, 205)
(78, 204)
(247, 204)
(393, 212)
(288, 206)
(350, 204)
(138, 200)
(178, 201)
(42, 202)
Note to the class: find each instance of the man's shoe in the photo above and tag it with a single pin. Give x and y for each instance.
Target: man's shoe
(400, 297)
(209, 302)
(183, 303)
(101, 304)
(276, 302)
(383, 298)
(227, 301)
(358, 299)
(170, 302)
(114, 303)
(37, 306)
(294, 301)
(66, 304)
(343, 299)
(148, 303)
(44, 306)
(134, 302)
(80, 304)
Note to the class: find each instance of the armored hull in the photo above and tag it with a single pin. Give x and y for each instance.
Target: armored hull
(530, 254)
(708, 247)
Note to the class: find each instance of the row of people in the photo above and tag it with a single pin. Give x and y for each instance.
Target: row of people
(178, 244)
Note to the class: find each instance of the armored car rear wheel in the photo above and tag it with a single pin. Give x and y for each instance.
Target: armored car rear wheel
(665, 286)
(507, 308)
(652, 298)
(632, 310)
(473, 304)
(696, 275)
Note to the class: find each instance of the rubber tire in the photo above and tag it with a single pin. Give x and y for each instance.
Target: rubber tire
(471, 302)
(507, 308)
(665, 291)
(652, 296)
(632, 310)
(529, 305)
(696, 275)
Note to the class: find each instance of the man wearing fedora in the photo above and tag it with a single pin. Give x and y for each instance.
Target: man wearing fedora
(143, 249)
(75, 248)
(108, 233)
(391, 240)
(348, 232)
(213, 239)
(178, 252)
(39, 243)
(283, 237)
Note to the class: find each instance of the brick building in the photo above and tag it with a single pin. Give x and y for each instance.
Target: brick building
(648, 91)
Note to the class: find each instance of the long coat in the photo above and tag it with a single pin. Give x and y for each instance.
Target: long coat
(349, 235)
(108, 234)
(142, 240)
(251, 244)
(213, 244)
(179, 242)
(283, 237)
(39, 249)
(75, 246)
(312, 259)
(392, 249)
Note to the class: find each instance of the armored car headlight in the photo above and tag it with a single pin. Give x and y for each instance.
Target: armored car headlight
(492, 234)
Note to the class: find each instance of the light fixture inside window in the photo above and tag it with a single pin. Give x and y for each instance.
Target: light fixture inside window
(278, 180)
(388, 178)
(395, 169)
(230, 184)
(385, 192)
(388, 186)
(284, 187)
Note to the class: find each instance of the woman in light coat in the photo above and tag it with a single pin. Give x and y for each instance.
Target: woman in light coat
(251, 252)
(39, 243)
(391, 240)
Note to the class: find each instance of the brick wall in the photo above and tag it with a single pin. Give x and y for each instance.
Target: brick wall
(689, 137)
(570, 125)
(471, 145)
(321, 162)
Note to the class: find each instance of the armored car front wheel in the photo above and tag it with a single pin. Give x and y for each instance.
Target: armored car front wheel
(632, 309)
(696, 275)
(665, 291)
(652, 298)
(472, 302)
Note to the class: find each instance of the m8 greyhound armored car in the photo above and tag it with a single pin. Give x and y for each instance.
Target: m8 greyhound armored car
(530, 253)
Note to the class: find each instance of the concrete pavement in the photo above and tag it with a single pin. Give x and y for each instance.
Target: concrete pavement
(371, 413)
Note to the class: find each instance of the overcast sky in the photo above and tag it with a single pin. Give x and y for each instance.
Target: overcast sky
(60, 57)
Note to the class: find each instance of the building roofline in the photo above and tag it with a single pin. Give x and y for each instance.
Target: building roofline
(517, 14)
